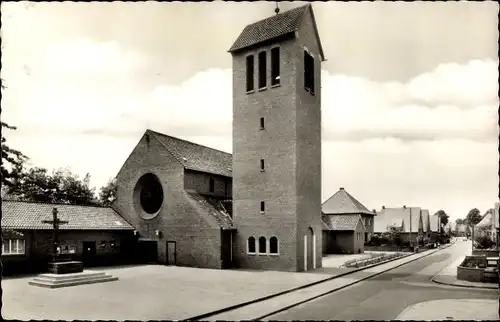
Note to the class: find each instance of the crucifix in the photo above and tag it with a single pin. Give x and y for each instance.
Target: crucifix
(55, 222)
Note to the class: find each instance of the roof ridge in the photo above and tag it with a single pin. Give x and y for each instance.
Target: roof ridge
(54, 203)
(183, 140)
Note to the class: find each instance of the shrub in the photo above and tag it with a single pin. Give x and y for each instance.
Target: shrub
(484, 242)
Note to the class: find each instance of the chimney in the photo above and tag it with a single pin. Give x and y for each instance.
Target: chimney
(342, 188)
(383, 207)
(404, 207)
(374, 211)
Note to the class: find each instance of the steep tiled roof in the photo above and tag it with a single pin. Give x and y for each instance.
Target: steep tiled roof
(212, 208)
(385, 219)
(386, 215)
(341, 222)
(29, 216)
(435, 222)
(496, 214)
(426, 220)
(343, 203)
(270, 28)
(197, 157)
(486, 221)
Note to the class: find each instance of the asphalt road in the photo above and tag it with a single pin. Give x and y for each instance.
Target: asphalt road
(385, 296)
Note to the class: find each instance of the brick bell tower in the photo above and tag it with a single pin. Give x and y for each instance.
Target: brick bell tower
(277, 143)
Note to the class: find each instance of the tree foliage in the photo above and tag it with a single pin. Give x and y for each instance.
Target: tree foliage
(12, 160)
(443, 216)
(107, 194)
(61, 186)
(459, 221)
(473, 217)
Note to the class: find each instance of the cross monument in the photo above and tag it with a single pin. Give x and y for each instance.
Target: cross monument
(55, 222)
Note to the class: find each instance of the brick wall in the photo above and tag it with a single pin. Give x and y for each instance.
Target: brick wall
(38, 249)
(200, 181)
(290, 144)
(197, 237)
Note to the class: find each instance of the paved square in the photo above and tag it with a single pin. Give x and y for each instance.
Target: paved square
(149, 292)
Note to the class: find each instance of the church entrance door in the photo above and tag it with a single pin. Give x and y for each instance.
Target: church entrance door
(171, 253)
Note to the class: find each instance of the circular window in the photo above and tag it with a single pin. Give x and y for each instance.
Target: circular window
(148, 196)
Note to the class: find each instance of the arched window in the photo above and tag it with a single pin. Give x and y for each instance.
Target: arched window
(262, 245)
(251, 245)
(273, 245)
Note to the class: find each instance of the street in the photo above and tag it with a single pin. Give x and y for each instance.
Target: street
(385, 296)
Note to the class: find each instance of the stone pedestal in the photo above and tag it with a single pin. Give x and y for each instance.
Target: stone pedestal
(71, 279)
(65, 267)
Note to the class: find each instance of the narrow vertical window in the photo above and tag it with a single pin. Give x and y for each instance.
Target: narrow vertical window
(275, 66)
(262, 123)
(262, 165)
(212, 185)
(308, 72)
(273, 245)
(250, 73)
(262, 206)
(262, 245)
(262, 70)
(251, 245)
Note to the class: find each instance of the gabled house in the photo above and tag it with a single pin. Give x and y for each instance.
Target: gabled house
(342, 203)
(410, 216)
(426, 222)
(387, 220)
(343, 234)
(435, 223)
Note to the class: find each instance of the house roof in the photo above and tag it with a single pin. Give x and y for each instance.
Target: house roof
(496, 214)
(486, 221)
(273, 27)
(342, 202)
(195, 156)
(342, 222)
(434, 222)
(214, 208)
(426, 219)
(386, 219)
(29, 215)
(410, 215)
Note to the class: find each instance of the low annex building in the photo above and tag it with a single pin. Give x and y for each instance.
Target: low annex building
(342, 232)
(94, 235)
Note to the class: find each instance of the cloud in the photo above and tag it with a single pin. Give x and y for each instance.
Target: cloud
(406, 141)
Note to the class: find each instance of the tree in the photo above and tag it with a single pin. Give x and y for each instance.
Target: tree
(12, 160)
(62, 186)
(443, 217)
(107, 194)
(459, 221)
(473, 217)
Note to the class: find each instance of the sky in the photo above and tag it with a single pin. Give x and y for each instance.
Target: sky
(409, 90)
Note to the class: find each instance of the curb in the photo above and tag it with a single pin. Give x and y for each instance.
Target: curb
(237, 306)
(434, 280)
(355, 282)
(465, 286)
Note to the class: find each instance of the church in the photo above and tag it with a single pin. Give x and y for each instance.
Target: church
(260, 207)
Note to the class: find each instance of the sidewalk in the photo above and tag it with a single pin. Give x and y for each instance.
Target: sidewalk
(264, 308)
(448, 276)
(452, 309)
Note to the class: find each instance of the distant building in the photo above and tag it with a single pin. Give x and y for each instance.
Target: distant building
(343, 234)
(348, 224)
(409, 217)
(426, 220)
(343, 203)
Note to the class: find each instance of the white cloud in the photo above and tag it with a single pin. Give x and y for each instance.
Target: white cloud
(430, 141)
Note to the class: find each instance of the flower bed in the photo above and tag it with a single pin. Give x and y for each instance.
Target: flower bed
(375, 259)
